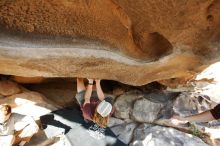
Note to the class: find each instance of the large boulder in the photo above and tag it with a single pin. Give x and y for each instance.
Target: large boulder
(8, 88)
(124, 104)
(146, 111)
(189, 104)
(30, 103)
(124, 131)
(163, 98)
(132, 42)
(208, 82)
(145, 107)
(148, 135)
(114, 121)
(60, 91)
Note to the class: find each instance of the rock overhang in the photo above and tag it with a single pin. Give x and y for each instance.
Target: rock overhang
(133, 44)
(59, 57)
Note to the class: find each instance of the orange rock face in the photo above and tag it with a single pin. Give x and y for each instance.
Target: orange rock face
(28, 80)
(149, 39)
(8, 88)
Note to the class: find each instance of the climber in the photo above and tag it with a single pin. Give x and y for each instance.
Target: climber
(94, 105)
(15, 128)
(206, 116)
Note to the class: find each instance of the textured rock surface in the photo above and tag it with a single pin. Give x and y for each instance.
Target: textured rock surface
(146, 111)
(145, 107)
(192, 103)
(124, 131)
(25, 98)
(205, 83)
(165, 98)
(28, 80)
(115, 40)
(35, 104)
(9, 88)
(124, 104)
(62, 92)
(146, 135)
(211, 85)
(30, 103)
(114, 121)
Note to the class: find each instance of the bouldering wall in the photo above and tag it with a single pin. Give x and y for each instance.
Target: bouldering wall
(134, 42)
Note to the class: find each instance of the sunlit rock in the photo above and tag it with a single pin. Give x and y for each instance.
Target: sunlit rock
(148, 135)
(30, 103)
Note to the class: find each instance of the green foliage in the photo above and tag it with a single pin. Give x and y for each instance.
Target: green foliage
(195, 131)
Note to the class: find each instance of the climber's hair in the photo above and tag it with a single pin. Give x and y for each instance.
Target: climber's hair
(6, 109)
(99, 120)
